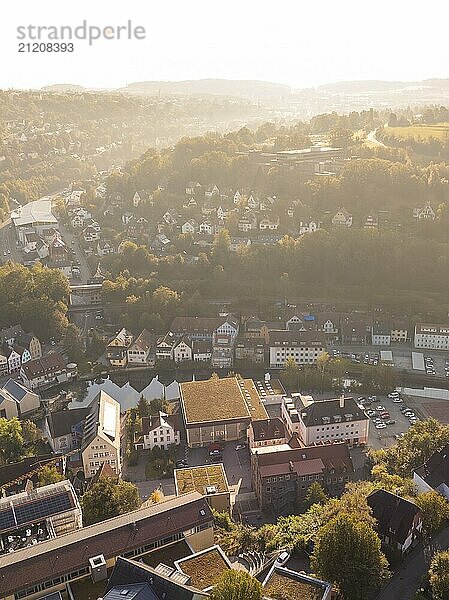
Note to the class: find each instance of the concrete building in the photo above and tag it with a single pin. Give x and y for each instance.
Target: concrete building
(325, 421)
(208, 480)
(431, 336)
(304, 347)
(281, 475)
(219, 409)
(88, 553)
(36, 515)
(101, 436)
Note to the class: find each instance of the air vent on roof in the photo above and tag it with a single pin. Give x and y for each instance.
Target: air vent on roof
(326, 419)
(211, 489)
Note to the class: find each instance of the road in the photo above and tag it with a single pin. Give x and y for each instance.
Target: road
(406, 581)
(372, 140)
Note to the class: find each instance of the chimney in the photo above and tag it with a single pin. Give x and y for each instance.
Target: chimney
(342, 401)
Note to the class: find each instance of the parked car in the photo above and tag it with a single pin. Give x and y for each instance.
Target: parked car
(390, 422)
(380, 426)
(240, 446)
(380, 408)
(283, 558)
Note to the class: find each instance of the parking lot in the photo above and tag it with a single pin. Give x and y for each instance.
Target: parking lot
(385, 437)
(435, 362)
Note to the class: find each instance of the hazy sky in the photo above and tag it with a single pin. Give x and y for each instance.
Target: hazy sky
(298, 42)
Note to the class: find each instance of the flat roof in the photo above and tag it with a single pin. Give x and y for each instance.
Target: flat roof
(38, 211)
(213, 400)
(284, 584)
(252, 399)
(197, 479)
(204, 568)
(418, 361)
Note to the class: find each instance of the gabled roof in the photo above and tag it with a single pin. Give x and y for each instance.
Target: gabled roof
(268, 429)
(16, 389)
(135, 591)
(435, 471)
(63, 421)
(394, 515)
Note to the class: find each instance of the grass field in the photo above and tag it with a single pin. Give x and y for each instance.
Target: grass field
(439, 131)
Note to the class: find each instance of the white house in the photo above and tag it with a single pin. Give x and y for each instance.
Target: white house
(139, 351)
(342, 218)
(435, 337)
(189, 226)
(182, 350)
(309, 226)
(425, 213)
(158, 431)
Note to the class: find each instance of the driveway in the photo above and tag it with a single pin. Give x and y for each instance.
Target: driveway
(406, 581)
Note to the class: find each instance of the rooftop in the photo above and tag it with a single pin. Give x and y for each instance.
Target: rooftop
(284, 584)
(213, 400)
(199, 479)
(205, 568)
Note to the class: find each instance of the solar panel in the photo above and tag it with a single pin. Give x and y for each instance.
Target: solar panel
(42, 508)
(6, 519)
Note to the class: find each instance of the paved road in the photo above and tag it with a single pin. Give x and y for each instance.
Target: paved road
(405, 582)
(372, 140)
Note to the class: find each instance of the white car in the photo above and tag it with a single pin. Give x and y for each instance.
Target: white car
(283, 558)
(380, 426)
(393, 395)
(397, 400)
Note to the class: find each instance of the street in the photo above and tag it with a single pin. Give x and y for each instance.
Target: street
(405, 582)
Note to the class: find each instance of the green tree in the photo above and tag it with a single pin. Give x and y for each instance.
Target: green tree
(439, 575)
(315, 495)
(347, 553)
(435, 510)
(108, 498)
(11, 439)
(237, 585)
(48, 475)
(291, 373)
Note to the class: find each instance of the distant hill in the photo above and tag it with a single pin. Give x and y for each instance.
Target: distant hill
(361, 87)
(63, 87)
(219, 87)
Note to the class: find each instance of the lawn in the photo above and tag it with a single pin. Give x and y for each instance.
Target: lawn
(439, 131)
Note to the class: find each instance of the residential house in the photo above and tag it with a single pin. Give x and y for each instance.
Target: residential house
(269, 223)
(424, 213)
(92, 232)
(64, 429)
(165, 345)
(309, 226)
(399, 521)
(182, 350)
(326, 421)
(137, 198)
(193, 188)
(117, 348)
(3, 363)
(161, 431)
(49, 369)
(342, 218)
(253, 202)
(304, 347)
(139, 352)
(434, 473)
(201, 350)
(26, 401)
(329, 324)
(104, 248)
(14, 358)
(237, 197)
(247, 222)
(189, 226)
(31, 343)
(207, 227)
(267, 432)
(250, 349)
(203, 328)
(211, 191)
(222, 351)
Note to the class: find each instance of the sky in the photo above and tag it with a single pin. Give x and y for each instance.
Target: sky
(297, 42)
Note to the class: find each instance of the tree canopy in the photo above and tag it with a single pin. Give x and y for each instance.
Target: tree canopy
(108, 498)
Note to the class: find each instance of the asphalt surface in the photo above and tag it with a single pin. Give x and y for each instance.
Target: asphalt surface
(407, 580)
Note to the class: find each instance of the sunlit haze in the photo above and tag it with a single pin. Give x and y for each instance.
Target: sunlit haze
(301, 44)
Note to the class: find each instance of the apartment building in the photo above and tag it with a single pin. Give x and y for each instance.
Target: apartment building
(304, 347)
